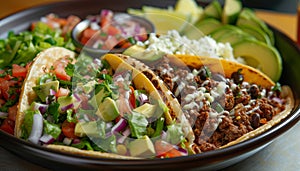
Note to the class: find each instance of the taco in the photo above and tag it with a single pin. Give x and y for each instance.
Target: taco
(225, 102)
(98, 107)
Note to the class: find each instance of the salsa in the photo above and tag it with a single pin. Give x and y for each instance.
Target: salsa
(109, 29)
(18, 50)
(11, 80)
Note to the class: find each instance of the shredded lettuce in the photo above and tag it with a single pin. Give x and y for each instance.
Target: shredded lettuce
(27, 123)
(51, 129)
(175, 134)
(138, 124)
(23, 47)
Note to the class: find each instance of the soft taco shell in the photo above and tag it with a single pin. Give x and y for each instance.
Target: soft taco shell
(42, 62)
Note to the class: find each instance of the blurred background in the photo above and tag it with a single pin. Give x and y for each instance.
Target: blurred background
(278, 13)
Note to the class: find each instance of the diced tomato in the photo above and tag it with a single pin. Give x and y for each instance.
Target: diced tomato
(68, 129)
(110, 42)
(18, 71)
(28, 65)
(106, 17)
(165, 150)
(62, 92)
(59, 69)
(132, 98)
(87, 35)
(12, 112)
(111, 30)
(4, 87)
(8, 126)
(61, 74)
(126, 45)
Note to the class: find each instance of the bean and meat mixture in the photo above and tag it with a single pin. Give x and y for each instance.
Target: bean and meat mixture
(219, 109)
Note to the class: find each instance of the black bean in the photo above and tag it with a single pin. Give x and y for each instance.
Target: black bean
(204, 73)
(254, 91)
(255, 120)
(237, 77)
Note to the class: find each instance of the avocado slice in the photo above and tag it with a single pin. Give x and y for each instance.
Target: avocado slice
(257, 33)
(213, 10)
(146, 109)
(86, 129)
(43, 90)
(140, 53)
(108, 110)
(260, 55)
(225, 29)
(231, 11)
(248, 18)
(233, 37)
(64, 101)
(142, 147)
(208, 25)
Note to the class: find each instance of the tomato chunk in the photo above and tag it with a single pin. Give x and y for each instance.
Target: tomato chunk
(165, 150)
(18, 71)
(68, 129)
(8, 126)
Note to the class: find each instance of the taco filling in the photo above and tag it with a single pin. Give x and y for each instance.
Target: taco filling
(89, 105)
(222, 108)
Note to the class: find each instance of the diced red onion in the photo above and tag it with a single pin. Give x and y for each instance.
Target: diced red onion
(47, 139)
(52, 92)
(121, 124)
(276, 99)
(41, 107)
(137, 28)
(106, 12)
(183, 151)
(108, 134)
(3, 114)
(61, 137)
(108, 125)
(67, 141)
(76, 141)
(164, 135)
(77, 97)
(69, 106)
(121, 139)
(143, 98)
(126, 132)
(37, 129)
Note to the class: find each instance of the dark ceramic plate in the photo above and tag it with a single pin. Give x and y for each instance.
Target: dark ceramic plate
(212, 160)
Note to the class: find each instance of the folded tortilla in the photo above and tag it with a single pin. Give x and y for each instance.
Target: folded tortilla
(226, 68)
(45, 60)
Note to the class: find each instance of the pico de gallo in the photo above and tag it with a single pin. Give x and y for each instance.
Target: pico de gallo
(108, 30)
(11, 80)
(89, 105)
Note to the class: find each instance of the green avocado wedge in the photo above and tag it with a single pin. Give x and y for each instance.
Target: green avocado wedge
(261, 56)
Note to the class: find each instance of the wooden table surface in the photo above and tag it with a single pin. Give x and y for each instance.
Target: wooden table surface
(277, 156)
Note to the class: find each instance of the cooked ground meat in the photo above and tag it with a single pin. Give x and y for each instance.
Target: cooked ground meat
(219, 109)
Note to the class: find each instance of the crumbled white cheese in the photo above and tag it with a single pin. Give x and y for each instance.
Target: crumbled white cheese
(174, 43)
